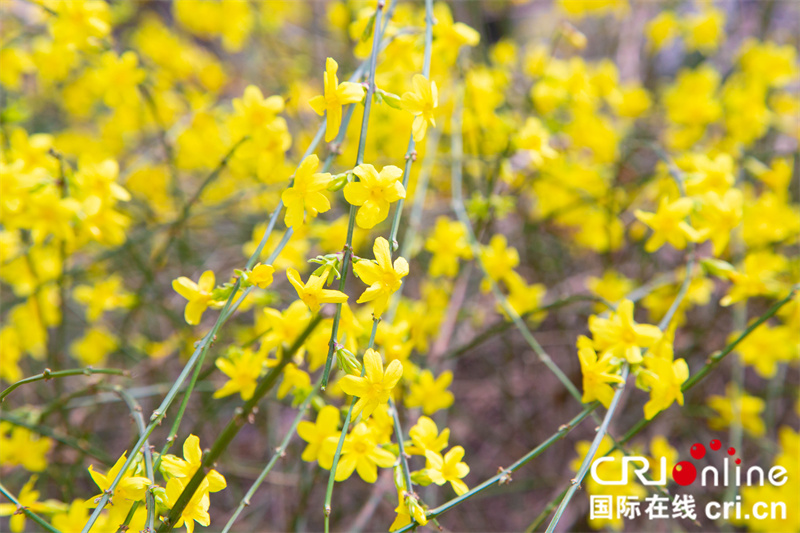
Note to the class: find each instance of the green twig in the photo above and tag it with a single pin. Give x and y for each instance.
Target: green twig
(340, 444)
(411, 151)
(47, 375)
(587, 460)
(233, 427)
(136, 413)
(348, 247)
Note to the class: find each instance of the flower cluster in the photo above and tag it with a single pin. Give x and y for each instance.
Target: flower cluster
(338, 220)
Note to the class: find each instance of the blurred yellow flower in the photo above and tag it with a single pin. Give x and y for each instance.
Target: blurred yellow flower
(421, 102)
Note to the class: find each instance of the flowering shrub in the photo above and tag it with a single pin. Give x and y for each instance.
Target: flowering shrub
(407, 240)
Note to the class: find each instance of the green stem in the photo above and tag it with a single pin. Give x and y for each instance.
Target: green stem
(158, 415)
(362, 141)
(411, 152)
(401, 445)
(340, 444)
(233, 427)
(587, 460)
(504, 325)
(136, 413)
(546, 512)
(123, 527)
(47, 375)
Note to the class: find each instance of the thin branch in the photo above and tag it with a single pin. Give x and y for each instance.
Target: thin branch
(232, 428)
(48, 375)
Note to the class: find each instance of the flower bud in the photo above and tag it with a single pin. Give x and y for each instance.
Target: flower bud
(348, 362)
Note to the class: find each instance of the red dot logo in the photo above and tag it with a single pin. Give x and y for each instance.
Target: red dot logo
(715, 444)
(698, 451)
(731, 450)
(684, 473)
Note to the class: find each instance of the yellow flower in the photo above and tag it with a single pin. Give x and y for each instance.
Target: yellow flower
(198, 294)
(448, 243)
(130, 487)
(374, 192)
(336, 95)
(599, 373)
(766, 347)
(665, 378)
(283, 327)
(757, 276)
(312, 292)
(535, 139)
(524, 298)
(28, 498)
(253, 112)
(362, 454)
(19, 446)
(612, 287)
(630, 101)
(737, 405)
(498, 259)
(93, 348)
(432, 395)
(450, 468)
(407, 506)
(662, 30)
(243, 372)
(777, 176)
(768, 62)
(421, 102)
(374, 387)
(104, 296)
(74, 518)
(261, 275)
(315, 434)
(186, 468)
(450, 36)
(619, 336)
(719, 215)
(705, 30)
(425, 436)
(668, 224)
(197, 508)
(296, 380)
(16, 63)
(81, 23)
(382, 277)
(304, 194)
